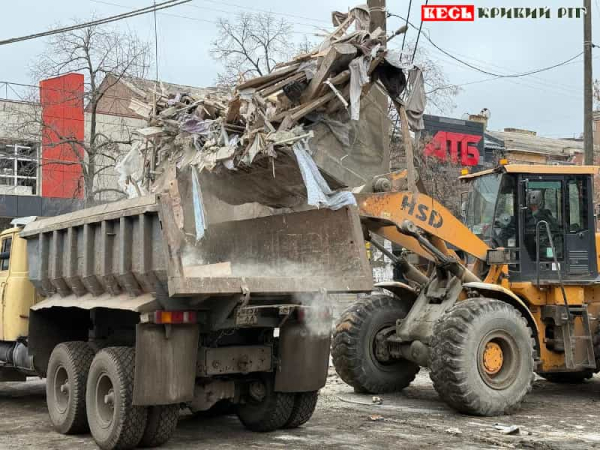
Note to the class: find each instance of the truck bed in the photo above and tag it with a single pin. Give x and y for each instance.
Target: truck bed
(136, 247)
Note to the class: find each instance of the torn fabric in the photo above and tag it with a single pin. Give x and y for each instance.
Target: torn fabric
(130, 170)
(359, 68)
(416, 101)
(199, 218)
(318, 191)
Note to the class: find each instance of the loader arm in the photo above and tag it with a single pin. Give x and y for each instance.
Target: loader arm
(384, 213)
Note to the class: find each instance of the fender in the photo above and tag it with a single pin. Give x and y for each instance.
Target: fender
(500, 293)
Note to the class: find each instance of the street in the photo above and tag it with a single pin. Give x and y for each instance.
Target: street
(553, 417)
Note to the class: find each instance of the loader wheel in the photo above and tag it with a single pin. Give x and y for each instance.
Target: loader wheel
(354, 346)
(160, 426)
(265, 409)
(304, 407)
(114, 421)
(482, 357)
(65, 386)
(567, 377)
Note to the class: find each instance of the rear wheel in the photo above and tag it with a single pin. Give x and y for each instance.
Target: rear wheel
(354, 350)
(264, 409)
(482, 357)
(65, 386)
(304, 407)
(114, 421)
(160, 426)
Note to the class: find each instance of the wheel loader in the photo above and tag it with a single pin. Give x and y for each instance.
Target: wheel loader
(510, 291)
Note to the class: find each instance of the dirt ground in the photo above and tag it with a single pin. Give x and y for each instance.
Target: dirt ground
(553, 417)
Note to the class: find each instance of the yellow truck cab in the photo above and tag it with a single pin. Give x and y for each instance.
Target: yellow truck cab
(17, 295)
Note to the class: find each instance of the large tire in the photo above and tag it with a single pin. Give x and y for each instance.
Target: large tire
(353, 346)
(115, 423)
(268, 414)
(65, 386)
(304, 407)
(482, 357)
(160, 426)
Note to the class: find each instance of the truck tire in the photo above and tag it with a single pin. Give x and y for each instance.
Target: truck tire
(114, 421)
(267, 410)
(482, 357)
(160, 426)
(66, 380)
(353, 351)
(303, 409)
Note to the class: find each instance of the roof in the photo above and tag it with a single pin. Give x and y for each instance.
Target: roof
(537, 169)
(143, 88)
(527, 143)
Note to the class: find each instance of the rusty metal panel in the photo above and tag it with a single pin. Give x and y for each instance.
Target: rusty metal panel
(238, 359)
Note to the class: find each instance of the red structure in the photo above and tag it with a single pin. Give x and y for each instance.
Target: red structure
(63, 127)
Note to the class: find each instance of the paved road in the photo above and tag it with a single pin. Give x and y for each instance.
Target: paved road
(553, 417)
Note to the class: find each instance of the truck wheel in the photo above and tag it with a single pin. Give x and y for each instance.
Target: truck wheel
(482, 357)
(304, 407)
(65, 386)
(114, 421)
(160, 426)
(265, 409)
(567, 377)
(354, 343)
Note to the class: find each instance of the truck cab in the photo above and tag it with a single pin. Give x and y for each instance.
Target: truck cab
(17, 295)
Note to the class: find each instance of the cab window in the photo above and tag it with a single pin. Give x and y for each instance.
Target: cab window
(5, 253)
(544, 202)
(577, 213)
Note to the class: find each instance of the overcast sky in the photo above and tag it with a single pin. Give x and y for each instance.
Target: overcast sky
(550, 103)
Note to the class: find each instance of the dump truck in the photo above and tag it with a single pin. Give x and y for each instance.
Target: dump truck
(512, 292)
(130, 317)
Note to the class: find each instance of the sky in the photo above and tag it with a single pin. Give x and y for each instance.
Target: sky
(550, 103)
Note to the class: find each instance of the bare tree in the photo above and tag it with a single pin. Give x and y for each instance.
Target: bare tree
(104, 56)
(250, 45)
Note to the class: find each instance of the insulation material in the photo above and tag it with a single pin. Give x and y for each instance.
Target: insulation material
(318, 191)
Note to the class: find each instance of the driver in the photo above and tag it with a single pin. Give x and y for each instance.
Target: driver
(536, 212)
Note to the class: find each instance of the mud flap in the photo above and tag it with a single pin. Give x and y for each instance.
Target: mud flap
(304, 359)
(165, 364)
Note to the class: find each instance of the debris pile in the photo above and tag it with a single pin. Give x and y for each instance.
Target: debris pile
(252, 143)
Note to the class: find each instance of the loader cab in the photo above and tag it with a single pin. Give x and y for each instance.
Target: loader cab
(543, 214)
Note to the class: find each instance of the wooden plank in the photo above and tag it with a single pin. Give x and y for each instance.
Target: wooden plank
(259, 81)
(338, 57)
(280, 84)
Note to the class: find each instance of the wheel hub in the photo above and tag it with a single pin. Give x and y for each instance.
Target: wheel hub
(493, 358)
(258, 390)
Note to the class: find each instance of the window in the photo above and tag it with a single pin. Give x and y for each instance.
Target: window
(5, 253)
(19, 169)
(577, 207)
(544, 202)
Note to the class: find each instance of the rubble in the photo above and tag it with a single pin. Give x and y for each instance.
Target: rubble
(252, 143)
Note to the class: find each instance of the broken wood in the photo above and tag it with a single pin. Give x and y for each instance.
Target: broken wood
(338, 57)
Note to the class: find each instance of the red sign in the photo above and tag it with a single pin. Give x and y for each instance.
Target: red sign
(445, 142)
(448, 13)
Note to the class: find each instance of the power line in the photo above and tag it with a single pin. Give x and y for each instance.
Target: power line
(479, 69)
(134, 13)
(295, 16)
(407, 17)
(412, 60)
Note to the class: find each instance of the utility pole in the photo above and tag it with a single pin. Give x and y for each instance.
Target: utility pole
(588, 133)
(378, 15)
